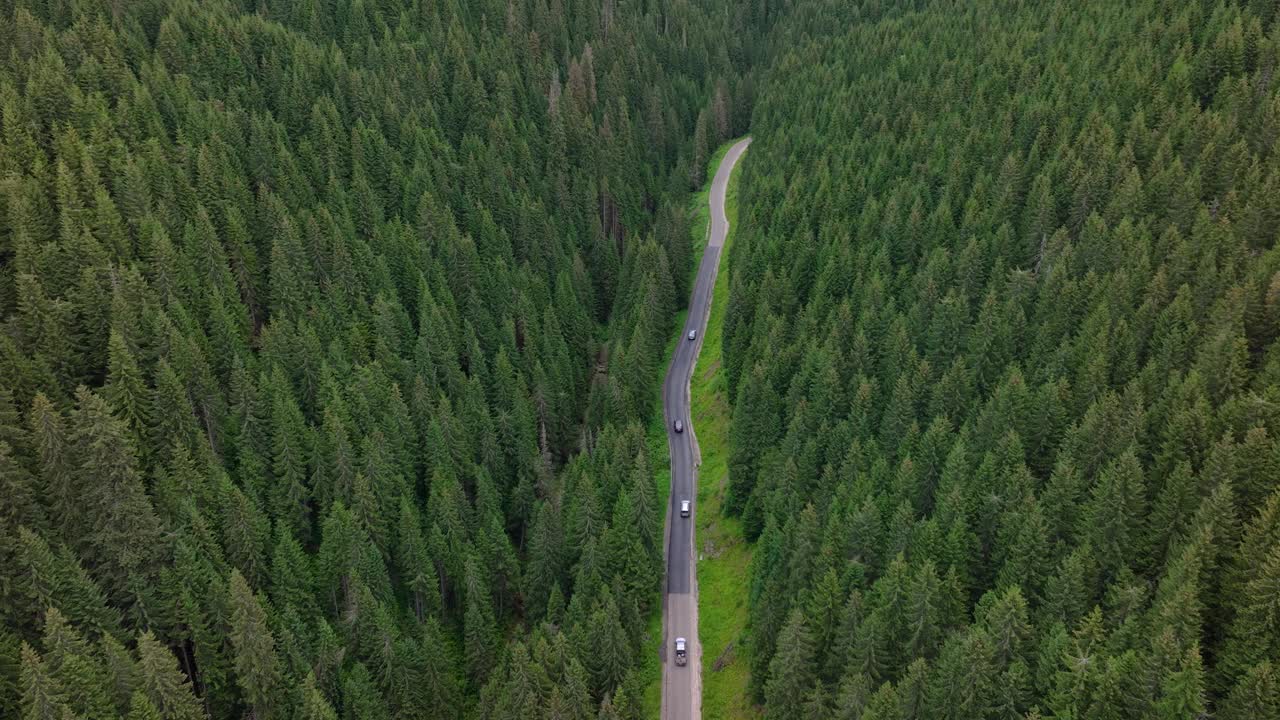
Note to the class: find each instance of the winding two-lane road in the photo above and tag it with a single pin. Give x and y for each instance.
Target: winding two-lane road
(682, 686)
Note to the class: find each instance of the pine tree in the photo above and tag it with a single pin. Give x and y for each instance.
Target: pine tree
(140, 708)
(123, 674)
(165, 688)
(1115, 512)
(605, 647)
(480, 637)
(314, 705)
(361, 697)
(1007, 626)
(292, 574)
(245, 532)
(441, 685)
(289, 495)
(126, 390)
(546, 550)
(77, 669)
(257, 665)
(701, 151)
(50, 438)
(961, 685)
(792, 669)
(42, 695)
(415, 566)
(1255, 695)
(1182, 691)
(124, 532)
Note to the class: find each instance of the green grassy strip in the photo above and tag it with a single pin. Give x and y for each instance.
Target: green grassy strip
(724, 557)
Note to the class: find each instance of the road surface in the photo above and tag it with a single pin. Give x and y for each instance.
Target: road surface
(682, 686)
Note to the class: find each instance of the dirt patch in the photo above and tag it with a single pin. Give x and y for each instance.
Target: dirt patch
(710, 549)
(724, 660)
(712, 368)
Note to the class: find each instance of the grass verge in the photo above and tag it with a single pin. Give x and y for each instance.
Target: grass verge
(724, 558)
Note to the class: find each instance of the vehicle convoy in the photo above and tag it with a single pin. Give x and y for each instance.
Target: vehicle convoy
(679, 426)
(681, 656)
(684, 508)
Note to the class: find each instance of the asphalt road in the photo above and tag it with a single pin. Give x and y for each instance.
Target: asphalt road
(682, 686)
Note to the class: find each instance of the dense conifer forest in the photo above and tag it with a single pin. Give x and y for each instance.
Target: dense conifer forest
(1002, 346)
(328, 333)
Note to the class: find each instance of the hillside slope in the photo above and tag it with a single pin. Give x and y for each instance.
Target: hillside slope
(1001, 343)
(327, 334)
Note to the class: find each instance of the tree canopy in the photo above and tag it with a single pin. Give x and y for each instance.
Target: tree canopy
(327, 334)
(1001, 341)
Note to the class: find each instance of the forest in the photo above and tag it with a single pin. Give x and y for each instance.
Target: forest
(1001, 343)
(328, 331)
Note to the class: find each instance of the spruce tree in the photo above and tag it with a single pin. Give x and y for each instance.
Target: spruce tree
(126, 390)
(163, 683)
(792, 669)
(257, 665)
(124, 532)
(43, 697)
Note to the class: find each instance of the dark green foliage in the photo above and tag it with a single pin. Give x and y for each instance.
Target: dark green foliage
(315, 319)
(1001, 347)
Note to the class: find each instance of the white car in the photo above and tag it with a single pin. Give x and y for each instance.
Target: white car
(679, 426)
(681, 656)
(693, 334)
(684, 508)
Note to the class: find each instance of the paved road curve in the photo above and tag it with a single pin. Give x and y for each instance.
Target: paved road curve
(682, 686)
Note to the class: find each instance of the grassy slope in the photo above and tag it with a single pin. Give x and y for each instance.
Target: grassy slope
(659, 453)
(723, 556)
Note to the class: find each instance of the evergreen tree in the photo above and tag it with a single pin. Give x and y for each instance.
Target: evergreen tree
(792, 669)
(43, 697)
(1254, 696)
(124, 532)
(314, 705)
(165, 688)
(79, 671)
(125, 389)
(257, 665)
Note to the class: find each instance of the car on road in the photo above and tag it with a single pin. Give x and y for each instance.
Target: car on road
(681, 656)
(679, 426)
(693, 334)
(684, 508)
